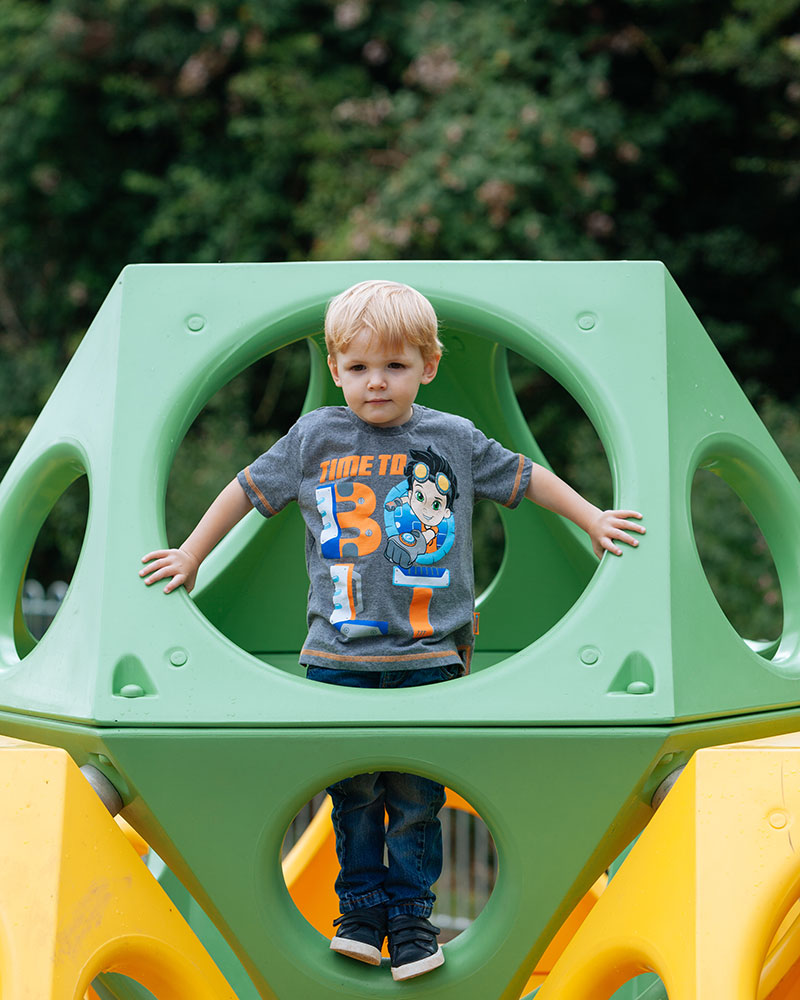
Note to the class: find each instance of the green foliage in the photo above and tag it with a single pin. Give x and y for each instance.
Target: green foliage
(176, 130)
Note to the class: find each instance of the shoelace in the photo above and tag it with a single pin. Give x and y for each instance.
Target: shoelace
(363, 918)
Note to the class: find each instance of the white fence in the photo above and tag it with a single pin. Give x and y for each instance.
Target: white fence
(39, 606)
(470, 861)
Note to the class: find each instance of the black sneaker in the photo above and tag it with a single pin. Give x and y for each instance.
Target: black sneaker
(413, 947)
(361, 934)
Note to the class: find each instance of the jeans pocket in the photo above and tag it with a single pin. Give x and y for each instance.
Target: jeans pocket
(449, 671)
(394, 678)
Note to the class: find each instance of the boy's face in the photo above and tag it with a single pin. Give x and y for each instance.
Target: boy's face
(379, 384)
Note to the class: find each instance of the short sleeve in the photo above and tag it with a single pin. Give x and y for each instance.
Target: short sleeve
(273, 480)
(498, 474)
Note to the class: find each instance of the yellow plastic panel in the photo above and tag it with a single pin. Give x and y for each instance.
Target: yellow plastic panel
(703, 892)
(76, 899)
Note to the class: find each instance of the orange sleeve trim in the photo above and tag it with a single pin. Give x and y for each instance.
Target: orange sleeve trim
(257, 491)
(517, 481)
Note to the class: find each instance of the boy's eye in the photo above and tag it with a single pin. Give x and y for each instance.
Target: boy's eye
(397, 364)
(436, 504)
(356, 368)
(419, 497)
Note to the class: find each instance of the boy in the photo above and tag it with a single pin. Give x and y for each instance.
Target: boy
(386, 488)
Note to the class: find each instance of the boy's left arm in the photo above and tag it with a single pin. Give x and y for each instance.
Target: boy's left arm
(604, 527)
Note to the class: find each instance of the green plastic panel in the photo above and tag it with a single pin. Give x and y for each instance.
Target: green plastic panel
(561, 803)
(596, 682)
(645, 373)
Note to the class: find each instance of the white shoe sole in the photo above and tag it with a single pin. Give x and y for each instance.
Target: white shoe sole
(420, 967)
(356, 949)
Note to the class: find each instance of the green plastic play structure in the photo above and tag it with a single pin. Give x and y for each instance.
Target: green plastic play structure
(590, 684)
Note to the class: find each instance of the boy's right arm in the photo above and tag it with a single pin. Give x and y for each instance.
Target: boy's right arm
(181, 565)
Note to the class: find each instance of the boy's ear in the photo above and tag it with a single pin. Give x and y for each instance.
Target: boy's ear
(430, 368)
(334, 367)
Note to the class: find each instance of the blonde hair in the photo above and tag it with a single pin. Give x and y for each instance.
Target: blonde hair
(394, 313)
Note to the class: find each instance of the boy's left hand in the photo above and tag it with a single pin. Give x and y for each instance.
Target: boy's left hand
(612, 526)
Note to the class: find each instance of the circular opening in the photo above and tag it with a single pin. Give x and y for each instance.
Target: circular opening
(538, 417)
(563, 432)
(736, 560)
(111, 985)
(240, 421)
(646, 987)
(468, 875)
(488, 544)
(52, 564)
(266, 570)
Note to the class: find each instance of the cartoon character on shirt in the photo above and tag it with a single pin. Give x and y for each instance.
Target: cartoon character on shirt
(418, 511)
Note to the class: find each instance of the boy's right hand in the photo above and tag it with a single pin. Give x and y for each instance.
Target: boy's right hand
(178, 564)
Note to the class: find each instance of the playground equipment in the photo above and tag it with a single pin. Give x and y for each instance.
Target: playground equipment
(110, 915)
(703, 896)
(588, 687)
(76, 899)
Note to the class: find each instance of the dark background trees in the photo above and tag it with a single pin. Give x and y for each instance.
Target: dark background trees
(136, 130)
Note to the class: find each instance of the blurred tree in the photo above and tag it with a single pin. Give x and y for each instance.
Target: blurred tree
(177, 130)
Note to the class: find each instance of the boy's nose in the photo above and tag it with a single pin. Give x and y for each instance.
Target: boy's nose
(377, 380)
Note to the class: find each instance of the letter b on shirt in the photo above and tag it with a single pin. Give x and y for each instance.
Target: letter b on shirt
(347, 528)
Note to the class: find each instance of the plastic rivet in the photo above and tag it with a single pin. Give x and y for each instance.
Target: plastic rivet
(131, 691)
(638, 687)
(587, 321)
(778, 820)
(178, 657)
(194, 324)
(590, 655)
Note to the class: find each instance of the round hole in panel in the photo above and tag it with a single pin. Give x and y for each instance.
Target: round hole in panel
(468, 872)
(222, 441)
(113, 984)
(562, 430)
(240, 421)
(243, 419)
(488, 544)
(550, 427)
(736, 559)
(645, 987)
(53, 559)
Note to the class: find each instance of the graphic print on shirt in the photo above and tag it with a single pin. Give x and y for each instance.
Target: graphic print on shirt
(348, 604)
(347, 528)
(342, 507)
(420, 531)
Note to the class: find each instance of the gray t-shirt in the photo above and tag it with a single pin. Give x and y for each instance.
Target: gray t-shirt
(388, 513)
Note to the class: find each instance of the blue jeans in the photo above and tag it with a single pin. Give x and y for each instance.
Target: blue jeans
(411, 832)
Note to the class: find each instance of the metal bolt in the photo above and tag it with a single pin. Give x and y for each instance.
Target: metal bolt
(106, 791)
(661, 792)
